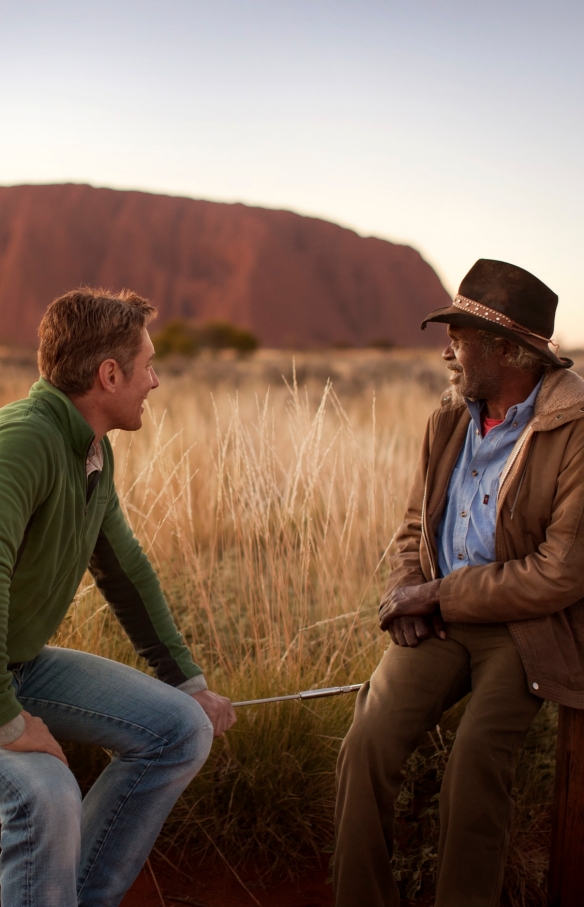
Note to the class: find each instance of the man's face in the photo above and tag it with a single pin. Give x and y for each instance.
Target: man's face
(476, 371)
(132, 391)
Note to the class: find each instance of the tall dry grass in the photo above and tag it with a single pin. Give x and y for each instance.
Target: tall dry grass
(268, 512)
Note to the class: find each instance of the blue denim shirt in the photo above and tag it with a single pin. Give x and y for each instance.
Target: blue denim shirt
(466, 534)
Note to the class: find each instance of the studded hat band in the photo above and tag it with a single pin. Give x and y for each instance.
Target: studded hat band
(483, 311)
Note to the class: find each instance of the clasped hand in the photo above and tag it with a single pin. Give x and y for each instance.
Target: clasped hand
(412, 613)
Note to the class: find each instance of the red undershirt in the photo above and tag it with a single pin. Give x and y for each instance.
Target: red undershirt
(487, 424)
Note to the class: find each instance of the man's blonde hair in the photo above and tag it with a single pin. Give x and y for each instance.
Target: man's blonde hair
(83, 328)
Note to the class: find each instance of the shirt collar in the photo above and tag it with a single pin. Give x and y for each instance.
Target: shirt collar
(521, 413)
(94, 462)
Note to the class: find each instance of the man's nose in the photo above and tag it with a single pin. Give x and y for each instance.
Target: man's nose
(448, 353)
(155, 381)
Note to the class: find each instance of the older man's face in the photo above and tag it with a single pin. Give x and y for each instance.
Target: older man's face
(476, 371)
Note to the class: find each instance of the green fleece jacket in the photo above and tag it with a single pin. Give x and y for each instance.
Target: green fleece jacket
(53, 526)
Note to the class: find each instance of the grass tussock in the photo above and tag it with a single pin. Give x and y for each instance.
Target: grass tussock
(268, 512)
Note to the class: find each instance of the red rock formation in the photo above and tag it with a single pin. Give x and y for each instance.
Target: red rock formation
(292, 280)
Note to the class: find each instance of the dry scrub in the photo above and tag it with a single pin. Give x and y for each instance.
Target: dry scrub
(267, 512)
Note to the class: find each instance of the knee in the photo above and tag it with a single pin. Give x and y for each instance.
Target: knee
(56, 796)
(369, 749)
(192, 731)
(44, 792)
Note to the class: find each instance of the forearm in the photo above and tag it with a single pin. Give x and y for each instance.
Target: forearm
(128, 582)
(410, 602)
(143, 613)
(404, 558)
(515, 590)
(10, 708)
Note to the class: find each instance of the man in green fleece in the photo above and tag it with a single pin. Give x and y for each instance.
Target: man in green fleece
(59, 515)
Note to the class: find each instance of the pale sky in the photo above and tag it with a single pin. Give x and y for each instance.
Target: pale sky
(454, 126)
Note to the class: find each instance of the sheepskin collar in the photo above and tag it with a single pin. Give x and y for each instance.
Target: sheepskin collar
(560, 390)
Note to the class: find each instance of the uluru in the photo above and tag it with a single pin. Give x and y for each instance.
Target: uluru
(292, 280)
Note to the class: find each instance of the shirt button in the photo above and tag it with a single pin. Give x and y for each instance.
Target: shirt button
(460, 556)
(477, 431)
(515, 424)
(535, 686)
(463, 513)
(474, 472)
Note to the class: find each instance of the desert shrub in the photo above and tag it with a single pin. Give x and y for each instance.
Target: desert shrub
(177, 337)
(381, 343)
(221, 335)
(183, 338)
(418, 819)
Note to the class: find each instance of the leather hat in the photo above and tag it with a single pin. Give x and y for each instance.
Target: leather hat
(508, 301)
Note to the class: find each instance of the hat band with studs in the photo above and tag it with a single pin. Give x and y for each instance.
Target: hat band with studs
(483, 311)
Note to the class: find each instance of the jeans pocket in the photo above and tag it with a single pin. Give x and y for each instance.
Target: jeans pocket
(18, 669)
(16, 675)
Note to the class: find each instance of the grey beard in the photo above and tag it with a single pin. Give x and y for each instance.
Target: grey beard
(485, 388)
(481, 386)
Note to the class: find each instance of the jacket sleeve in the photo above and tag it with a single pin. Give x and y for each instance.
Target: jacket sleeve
(546, 581)
(26, 474)
(404, 562)
(128, 582)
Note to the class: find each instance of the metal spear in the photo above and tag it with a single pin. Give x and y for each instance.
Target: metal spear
(305, 694)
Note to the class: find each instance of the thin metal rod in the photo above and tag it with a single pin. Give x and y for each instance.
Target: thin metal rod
(305, 694)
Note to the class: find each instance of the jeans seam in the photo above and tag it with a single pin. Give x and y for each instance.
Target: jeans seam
(76, 710)
(30, 831)
(110, 826)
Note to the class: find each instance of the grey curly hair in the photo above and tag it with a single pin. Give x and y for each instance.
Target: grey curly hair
(517, 356)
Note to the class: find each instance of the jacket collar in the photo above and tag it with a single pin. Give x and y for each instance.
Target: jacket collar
(562, 392)
(73, 426)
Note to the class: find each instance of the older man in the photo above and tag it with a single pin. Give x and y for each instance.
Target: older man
(485, 594)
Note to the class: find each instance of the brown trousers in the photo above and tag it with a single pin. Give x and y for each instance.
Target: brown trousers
(406, 696)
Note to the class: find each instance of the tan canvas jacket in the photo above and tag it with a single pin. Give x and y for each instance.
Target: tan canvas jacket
(536, 584)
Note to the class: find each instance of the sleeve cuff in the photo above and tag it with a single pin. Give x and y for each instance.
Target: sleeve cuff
(12, 730)
(447, 601)
(193, 685)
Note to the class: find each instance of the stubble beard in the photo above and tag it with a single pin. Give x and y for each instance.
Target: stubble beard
(474, 386)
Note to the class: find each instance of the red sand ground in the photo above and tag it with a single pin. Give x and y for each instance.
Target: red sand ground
(216, 886)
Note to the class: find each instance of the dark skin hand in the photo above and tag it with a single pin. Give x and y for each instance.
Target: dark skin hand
(411, 613)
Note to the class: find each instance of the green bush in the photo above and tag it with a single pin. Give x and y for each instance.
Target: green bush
(381, 343)
(183, 338)
(176, 337)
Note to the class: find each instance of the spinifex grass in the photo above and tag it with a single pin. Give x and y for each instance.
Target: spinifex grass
(268, 520)
(268, 515)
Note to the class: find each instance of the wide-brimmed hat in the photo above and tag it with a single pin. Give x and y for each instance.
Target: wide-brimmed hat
(508, 301)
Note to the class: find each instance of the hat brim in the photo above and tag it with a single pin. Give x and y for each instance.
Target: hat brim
(453, 315)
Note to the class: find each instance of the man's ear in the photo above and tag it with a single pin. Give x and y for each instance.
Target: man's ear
(505, 347)
(108, 376)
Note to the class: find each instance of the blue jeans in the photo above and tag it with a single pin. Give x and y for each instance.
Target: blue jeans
(60, 851)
